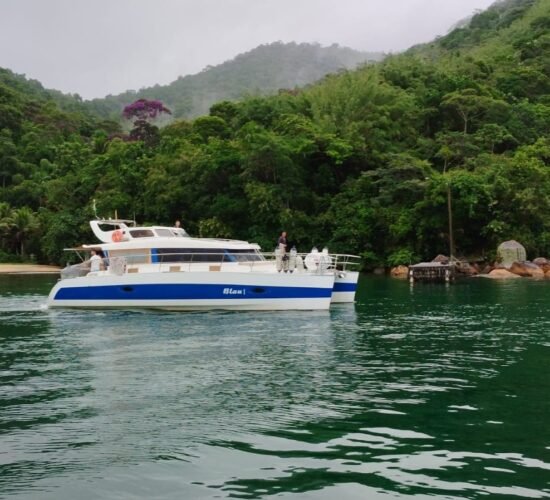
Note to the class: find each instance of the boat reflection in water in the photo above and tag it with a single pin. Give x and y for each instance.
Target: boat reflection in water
(164, 268)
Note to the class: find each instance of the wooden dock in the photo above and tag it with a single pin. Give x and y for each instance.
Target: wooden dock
(432, 271)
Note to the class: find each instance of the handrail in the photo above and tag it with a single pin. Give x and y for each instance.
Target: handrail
(253, 259)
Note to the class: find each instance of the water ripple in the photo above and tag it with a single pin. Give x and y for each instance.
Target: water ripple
(428, 391)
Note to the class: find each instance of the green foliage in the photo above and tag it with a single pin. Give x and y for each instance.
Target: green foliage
(403, 256)
(23, 225)
(362, 161)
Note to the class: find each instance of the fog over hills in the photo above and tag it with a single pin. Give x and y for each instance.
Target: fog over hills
(263, 70)
(103, 47)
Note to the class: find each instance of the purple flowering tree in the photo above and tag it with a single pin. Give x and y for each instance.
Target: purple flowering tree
(141, 112)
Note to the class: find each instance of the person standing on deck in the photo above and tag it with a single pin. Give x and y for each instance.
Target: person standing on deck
(95, 262)
(282, 243)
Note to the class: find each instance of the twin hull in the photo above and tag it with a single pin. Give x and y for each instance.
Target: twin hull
(203, 290)
(345, 286)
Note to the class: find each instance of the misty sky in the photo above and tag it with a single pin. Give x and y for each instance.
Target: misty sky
(100, 47)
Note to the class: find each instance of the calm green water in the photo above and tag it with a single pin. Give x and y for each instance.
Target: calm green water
(433, 391)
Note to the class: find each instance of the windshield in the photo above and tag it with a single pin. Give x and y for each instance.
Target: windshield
(207, 255)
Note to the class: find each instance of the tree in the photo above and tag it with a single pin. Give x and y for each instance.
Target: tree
(6, 223)
(24, 223)
(492, 135)
(205, 127)
(144, 109)
(467, 103)
(142, 112)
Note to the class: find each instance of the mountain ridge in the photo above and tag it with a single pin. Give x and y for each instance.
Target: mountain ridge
(260, 71)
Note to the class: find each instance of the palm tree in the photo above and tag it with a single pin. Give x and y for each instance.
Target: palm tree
(6, 221)
(24, 224)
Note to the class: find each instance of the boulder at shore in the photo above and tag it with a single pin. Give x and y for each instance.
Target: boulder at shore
(526, 269)
(467, 269)
(543, 263)
(499, 274)
(510, 252)
(400, 272)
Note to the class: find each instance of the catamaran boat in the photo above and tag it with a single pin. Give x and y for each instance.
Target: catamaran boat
(164, 268)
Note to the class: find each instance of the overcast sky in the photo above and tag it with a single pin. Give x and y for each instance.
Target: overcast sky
(100, 47)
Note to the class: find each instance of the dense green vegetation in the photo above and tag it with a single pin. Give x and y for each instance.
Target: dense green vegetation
(361, 161)
(261, 71)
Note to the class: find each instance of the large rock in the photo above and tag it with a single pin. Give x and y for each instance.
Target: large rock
(443, 259)
(400, 272)
(543, 263)
(510, 252)
(486, 269)
(536, 271)
(500, 274)
(526, 269)
(547, 274)
(467, 269)
(519, 269)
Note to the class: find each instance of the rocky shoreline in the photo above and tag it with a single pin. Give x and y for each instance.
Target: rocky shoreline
(511, 263)
(537, 269)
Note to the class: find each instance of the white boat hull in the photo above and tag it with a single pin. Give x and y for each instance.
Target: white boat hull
(345, 286)
(195, 291)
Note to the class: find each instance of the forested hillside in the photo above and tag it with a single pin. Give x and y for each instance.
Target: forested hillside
(361, 161)
(261, 71)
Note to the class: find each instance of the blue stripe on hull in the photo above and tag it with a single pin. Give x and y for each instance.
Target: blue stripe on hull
(344, 287)
(178, 291)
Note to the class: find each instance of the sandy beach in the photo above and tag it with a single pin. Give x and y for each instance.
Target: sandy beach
(28, 269)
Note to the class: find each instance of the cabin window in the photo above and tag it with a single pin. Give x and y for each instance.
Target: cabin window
(165, 233)
(142, 233)
(190, 254)
(207, 255)
(247, 255)
(141, 256)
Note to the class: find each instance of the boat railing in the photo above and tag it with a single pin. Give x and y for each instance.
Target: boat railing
(312, 263)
